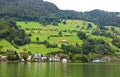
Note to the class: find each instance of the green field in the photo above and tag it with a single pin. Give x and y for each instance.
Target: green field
(43, 32)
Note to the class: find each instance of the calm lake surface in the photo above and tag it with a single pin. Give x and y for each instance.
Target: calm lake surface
(59, 69)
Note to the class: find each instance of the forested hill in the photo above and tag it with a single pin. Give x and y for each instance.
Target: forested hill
(103, 18)
(46, 12)
(35, 10)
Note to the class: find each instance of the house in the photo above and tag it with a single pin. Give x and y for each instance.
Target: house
(4, 57)
(37, 57)
(29, 58)
(57, 55)
(44, 58)
(54, 59)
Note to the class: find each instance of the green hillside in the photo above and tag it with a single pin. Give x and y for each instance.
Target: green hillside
(69, 32)
(40, 34)
(43, 32)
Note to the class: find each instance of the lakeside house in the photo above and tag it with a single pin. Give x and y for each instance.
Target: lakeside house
(4, 57)
(29, 57)
(44, 58)
(54, 59)
(37, 57)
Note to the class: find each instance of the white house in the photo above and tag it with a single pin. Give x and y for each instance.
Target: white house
(29, 58)
(4, 57)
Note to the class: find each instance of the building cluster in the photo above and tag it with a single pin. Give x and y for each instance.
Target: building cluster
(34, 58)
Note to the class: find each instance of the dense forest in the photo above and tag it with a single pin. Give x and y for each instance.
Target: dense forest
(48, 13)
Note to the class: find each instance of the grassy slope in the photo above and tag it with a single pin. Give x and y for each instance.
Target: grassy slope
(45, 32)
(6, 45)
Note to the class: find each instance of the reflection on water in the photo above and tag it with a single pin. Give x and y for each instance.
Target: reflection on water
(59, 69)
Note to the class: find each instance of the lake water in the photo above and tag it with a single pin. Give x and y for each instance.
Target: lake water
(59, 69)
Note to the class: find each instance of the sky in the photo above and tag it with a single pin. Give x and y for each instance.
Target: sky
(87, 5)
